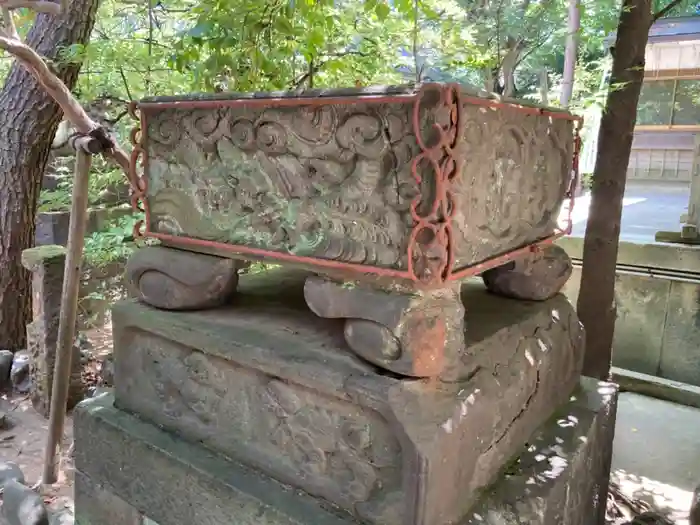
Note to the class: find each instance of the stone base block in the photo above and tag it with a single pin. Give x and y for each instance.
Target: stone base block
(133, 473)
(562, 477)
(127, 468)
(100, 506)
(275, 387)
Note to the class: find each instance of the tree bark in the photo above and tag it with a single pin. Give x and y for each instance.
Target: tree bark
(571, 53)
(28, 121)
(596, 301)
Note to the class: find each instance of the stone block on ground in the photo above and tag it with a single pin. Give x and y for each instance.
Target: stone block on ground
(6, 359)
(20, 371)
(47, 264)
(52, 226)
(119, 459)
(9, 470)
(98, 506)
(310, 414)
(562, 476)
(22, 506)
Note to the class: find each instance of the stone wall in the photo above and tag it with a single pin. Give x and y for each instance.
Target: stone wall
(658, 294)
(100, 287)
(52, 226)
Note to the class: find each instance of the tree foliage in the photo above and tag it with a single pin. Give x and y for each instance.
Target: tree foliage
(178, 46)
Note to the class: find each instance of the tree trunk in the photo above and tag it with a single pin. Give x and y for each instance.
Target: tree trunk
(544, 87)
(596, 301)
(28, 122)
(571, 53)
(514, 48)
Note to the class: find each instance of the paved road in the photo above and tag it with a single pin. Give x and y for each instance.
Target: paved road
(656, 456)
(647, 208)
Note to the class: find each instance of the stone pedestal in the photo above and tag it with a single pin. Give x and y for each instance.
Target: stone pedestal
(132, 473)
(371, 381)
(47, 264)
(259, 410)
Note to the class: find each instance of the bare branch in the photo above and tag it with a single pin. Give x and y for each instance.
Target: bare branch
(29, 58)
(72, 110)
(126, 83)
(40, 6)
(10, 27)
(666, 10)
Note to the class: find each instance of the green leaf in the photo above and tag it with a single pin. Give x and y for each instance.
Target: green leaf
(283, 25)
(201, 30)
(382, 11)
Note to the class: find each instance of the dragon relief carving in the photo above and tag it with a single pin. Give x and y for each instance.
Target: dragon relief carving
(325, 446)
(516, 173)
(324, 181)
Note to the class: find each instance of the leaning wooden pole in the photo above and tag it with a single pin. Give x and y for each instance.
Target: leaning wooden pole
(84, 147)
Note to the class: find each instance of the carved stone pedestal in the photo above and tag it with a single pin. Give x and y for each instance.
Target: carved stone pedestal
(313, 434)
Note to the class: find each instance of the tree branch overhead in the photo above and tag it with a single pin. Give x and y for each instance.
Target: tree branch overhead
(666, 10)
(72, 109)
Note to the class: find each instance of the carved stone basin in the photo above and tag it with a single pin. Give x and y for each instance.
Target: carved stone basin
(420, 186)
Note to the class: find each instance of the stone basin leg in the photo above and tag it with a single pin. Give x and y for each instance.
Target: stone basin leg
(537, 277)
(412, 334)
(173, 279)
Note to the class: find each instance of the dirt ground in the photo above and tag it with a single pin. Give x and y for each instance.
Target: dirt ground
(24, 433)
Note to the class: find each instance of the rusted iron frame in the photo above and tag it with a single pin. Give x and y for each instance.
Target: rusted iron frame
(444, 202)
(445, 167)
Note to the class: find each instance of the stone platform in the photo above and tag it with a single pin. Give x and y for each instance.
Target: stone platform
(560, 477)
(275, 389)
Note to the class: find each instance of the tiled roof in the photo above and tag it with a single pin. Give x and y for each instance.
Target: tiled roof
(670, 29)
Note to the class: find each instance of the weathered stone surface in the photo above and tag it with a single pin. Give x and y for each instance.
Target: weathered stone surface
(336, 179)
(106, 371)
(6, 359)
(20, 371)
(656, 330)
(52, 226)
(561, 478)
(409, 334)
(403, 332)
(537, 277)
(22, 506)
(172, 481)
(63, 517)
(496, 326)
(47, 264)
(310, 414)
(178, 280)
(95, 505)
(9, 470)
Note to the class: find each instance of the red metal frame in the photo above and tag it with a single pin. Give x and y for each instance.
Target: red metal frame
(440, 156)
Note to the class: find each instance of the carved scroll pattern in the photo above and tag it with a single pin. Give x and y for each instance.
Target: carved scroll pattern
(322, 181)
(516, 174)
(327, 447)
(326, 444)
